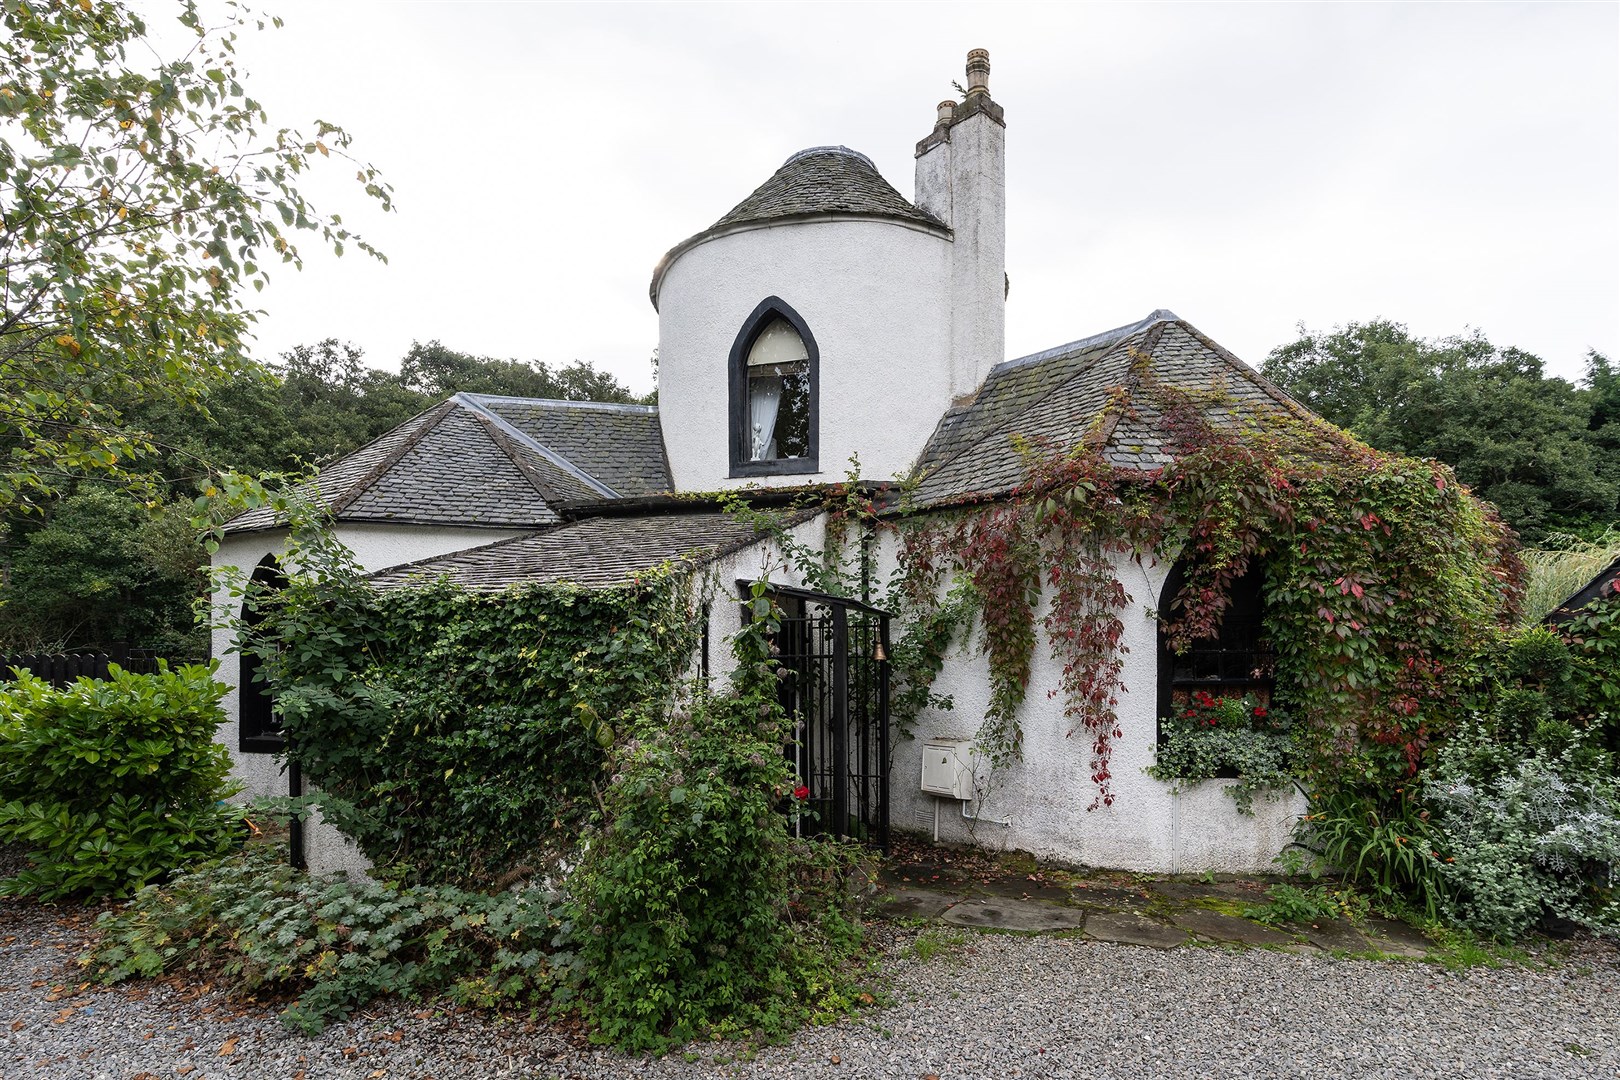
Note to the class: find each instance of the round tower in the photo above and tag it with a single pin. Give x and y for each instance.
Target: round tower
(807, 325)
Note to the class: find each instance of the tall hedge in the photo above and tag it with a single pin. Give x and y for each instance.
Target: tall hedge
(112, 783)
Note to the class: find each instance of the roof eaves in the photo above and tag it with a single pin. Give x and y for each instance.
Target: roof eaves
(933, 226)
(479, 409)
(463, 551)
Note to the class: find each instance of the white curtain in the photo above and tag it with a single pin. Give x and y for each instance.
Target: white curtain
(764, 395)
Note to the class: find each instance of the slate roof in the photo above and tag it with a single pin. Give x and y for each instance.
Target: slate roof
(813, 182)
(1605, 584)
(596, 552)
(446, 466)
(1088, 391)
(477, 460)
(619, 445)
(825, 180)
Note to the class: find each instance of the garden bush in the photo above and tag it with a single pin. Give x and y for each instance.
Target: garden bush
(456, 736)
(1531, 820)
(257, 926)
(696, 911)
(110, 784)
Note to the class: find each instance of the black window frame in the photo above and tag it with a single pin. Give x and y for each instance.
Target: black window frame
(1180, 674)
(769, 309)
(258, 729)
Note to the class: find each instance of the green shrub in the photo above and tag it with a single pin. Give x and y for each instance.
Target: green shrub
(1237, 738)
(260, 927)
(1533, 829)
(1593, 636)
(695, 911)
(110, 784)
(460, 734)
(1385, 844)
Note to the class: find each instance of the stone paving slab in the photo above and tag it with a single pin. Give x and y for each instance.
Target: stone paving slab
(1214, 925)
(1397, 939)
(914, 903)
(1181, 889)
(999, 913)
(1108, 896)
(1126, 929)
(1023, 890)
(1335, 936)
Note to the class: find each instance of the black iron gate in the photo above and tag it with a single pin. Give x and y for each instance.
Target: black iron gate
(836, 695)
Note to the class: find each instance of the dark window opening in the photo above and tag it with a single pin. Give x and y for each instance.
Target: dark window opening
(258, 727)
(774, 369)
(1238, 660)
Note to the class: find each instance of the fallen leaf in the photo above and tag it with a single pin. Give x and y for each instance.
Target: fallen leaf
(17, 1025)
(228, 1047)
(61, 1017)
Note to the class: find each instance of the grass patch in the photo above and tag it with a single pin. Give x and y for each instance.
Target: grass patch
(936, 941)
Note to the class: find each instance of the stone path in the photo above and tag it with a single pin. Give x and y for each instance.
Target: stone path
(1154, 912)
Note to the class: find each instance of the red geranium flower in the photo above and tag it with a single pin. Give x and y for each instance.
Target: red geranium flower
(1260, 710)
(801, 792)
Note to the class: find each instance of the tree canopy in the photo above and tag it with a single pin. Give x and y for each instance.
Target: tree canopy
(144, 201)
(96, 564)
(1545, 451)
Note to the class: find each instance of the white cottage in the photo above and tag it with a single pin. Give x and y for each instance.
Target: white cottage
(825, 319)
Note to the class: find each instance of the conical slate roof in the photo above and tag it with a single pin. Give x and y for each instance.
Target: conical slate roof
(812, 183)
(825, 180)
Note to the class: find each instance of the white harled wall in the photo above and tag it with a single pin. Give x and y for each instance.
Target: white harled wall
(1039, 804)
(876, 296)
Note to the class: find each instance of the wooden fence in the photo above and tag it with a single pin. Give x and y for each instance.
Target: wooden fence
(59, 669)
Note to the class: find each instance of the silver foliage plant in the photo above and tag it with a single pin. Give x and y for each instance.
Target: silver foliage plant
(1533, 837)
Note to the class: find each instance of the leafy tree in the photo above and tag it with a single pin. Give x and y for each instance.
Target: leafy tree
(102, 568)
(142, 199)
(1521, 439)
(437, 371)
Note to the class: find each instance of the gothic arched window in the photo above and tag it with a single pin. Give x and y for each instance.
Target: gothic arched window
(774, 366)
(258, 729)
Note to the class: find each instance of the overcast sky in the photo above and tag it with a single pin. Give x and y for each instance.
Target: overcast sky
(1246, 166)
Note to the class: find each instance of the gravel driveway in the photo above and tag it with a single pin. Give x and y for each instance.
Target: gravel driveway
(983, 1006)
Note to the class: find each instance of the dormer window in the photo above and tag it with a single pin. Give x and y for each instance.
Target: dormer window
(773, 392)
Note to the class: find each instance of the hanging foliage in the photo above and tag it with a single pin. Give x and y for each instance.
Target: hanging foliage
(1383, 576)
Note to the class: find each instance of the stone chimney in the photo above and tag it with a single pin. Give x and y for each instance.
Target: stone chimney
(961, 179)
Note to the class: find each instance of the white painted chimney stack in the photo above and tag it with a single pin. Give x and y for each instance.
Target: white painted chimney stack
(961, 179)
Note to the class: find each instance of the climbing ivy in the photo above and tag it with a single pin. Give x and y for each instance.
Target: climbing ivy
(456, 735)
(1383, 576)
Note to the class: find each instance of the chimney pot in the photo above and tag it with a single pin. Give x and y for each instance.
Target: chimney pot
(947, 110)
(978, 71)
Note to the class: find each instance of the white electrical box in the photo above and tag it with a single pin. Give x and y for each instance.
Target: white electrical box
(945, 768)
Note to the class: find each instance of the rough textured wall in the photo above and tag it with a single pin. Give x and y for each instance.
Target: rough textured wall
(1039, 803)
(874, 294)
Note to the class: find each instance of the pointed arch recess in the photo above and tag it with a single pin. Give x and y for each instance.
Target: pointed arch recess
(258, 730)
(743, 460)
